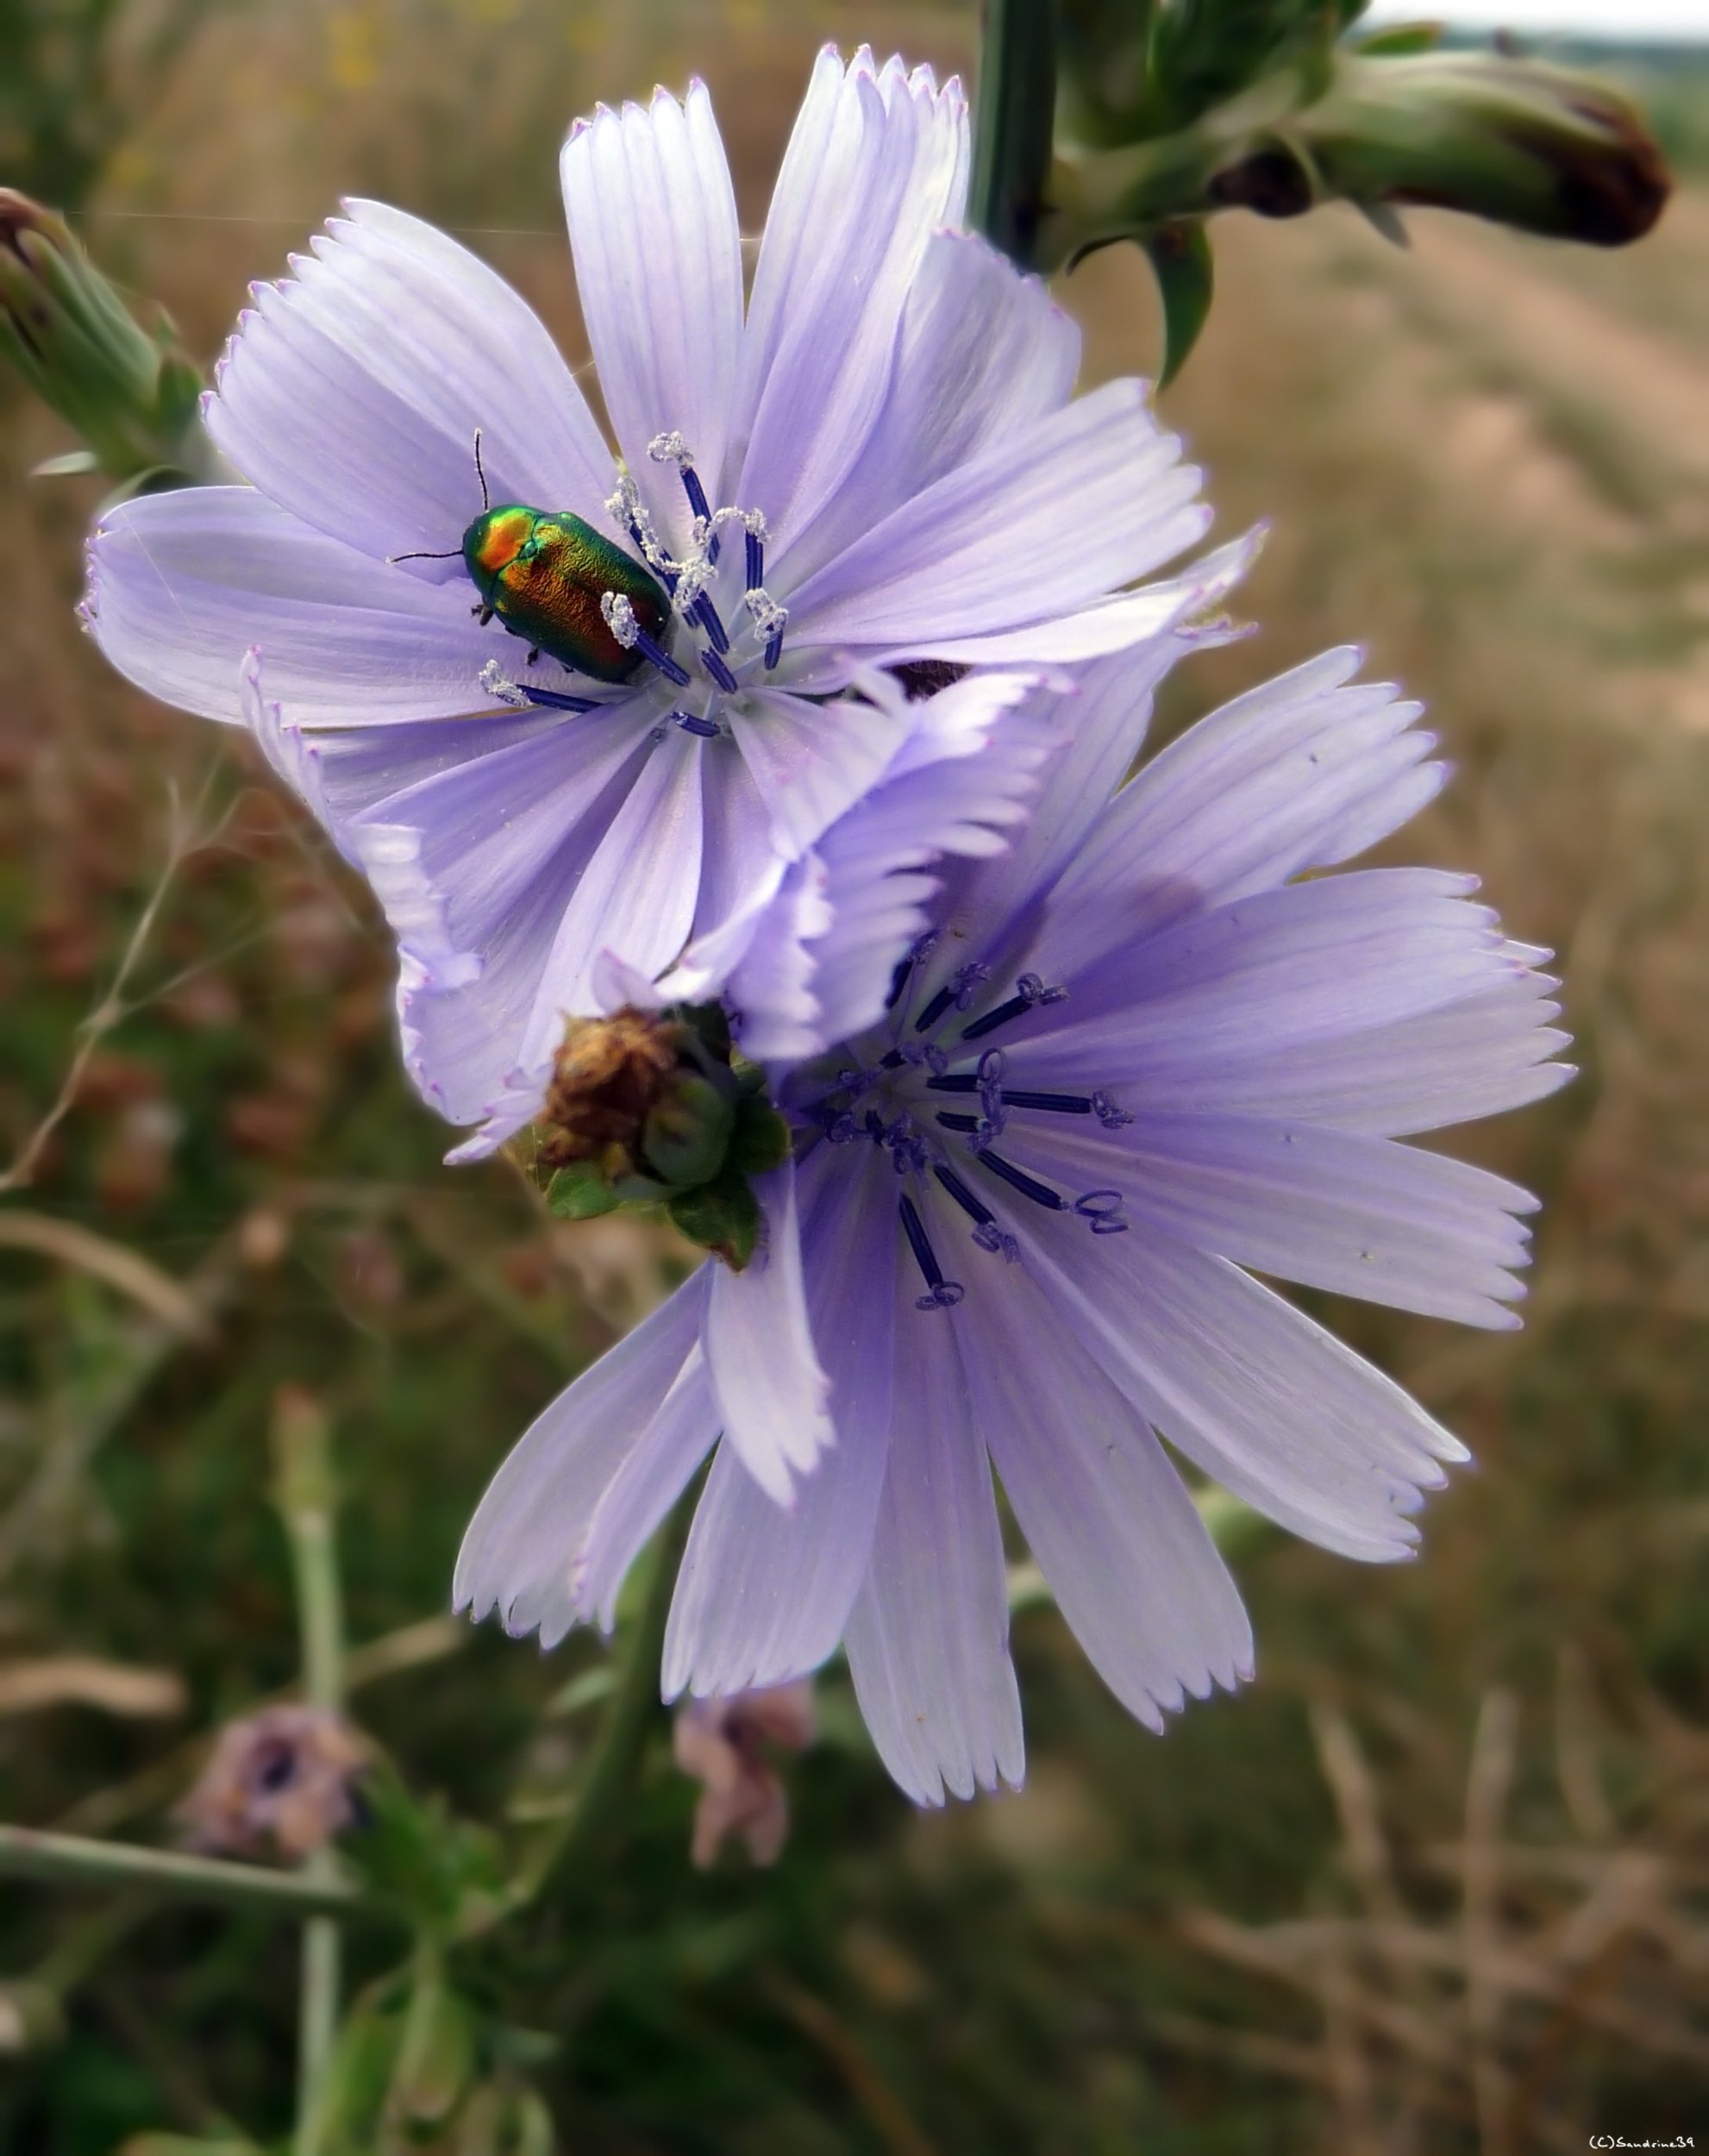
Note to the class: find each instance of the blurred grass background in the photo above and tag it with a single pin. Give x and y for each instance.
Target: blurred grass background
(1437, 1880)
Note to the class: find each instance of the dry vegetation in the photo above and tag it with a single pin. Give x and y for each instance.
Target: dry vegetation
(1438, 1881)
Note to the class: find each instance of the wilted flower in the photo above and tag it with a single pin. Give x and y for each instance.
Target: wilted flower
(1131, 1057)
(283, 1782)
(879, 464)
(722, 1743)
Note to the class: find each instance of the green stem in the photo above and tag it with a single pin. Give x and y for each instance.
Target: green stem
(615, 1763)
(307, 1498)
(1013, 121)
(70, 1860)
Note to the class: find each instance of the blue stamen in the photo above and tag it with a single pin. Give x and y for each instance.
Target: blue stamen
(964, 1197)
(875, 1126)
(1056, 1103)
(1103, 1208)
(706, 614)
(992, 1066)
(991, 1238)
(699, 505)
(553, 701)
(957, 1122)
(774, 651)
(969, 1084)
(992, 1019)
(719, 672)
(942, 1295)
(1031, 990)
(892, 1059)
(756, 561)
(934, 1011)
(667, 577)
(1018, 1179)
(706, 728)
(899, 982)
(661, 658)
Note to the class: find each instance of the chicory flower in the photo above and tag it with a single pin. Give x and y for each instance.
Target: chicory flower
(1130, 1058)
(876, 462)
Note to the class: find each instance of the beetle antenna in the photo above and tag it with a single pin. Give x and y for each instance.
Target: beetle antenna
(481, 475)
(450, 554)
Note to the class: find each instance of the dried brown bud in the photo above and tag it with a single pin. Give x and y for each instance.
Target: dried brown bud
(611, 1074)
(282, 1783)
(722, 1743)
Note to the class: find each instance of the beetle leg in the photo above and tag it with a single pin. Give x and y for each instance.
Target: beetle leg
(532, 655)
(482, 613)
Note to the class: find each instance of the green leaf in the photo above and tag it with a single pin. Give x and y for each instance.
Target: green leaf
(1402, 39)
(1385, 220)
(436, 2058)
(687, 1132)
(760, 1140)
(1180, 255)
(722, 1217)
(72, 464)
(579, 1191)
(1202, 52)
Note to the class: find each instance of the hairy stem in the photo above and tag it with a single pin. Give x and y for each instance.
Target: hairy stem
(306, 1502)
(70, 1860)
(615, 1763)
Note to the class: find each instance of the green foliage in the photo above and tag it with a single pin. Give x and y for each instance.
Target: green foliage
(1201, 53)
(1180, 255)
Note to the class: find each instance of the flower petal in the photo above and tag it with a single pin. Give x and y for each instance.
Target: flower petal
(1300, 774)
(476, 867)
(983, 354)
(1120, 1541)
(877, 163)
(655, 1473)
(1269, 1404)
(1090, 498)
(1474, 1056)
(765, 1592)
(959, 788)
(183, 585)
(517, 1554)
(636, 896)
(929, 1639)
(812, 762)
(352, 392)
(771, 1390)
(658, 257)
(1308, 963)
(1359, 1216)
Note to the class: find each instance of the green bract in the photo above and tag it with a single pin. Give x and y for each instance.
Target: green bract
(654, 1113)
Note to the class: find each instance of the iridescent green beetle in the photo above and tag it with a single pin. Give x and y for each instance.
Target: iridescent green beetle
(543, 574)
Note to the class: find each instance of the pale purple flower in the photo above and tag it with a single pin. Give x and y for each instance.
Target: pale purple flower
(876, 459)
(1134, 1056)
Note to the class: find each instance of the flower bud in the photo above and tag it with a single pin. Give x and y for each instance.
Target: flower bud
(1524, 143)
(646, 1108)
(132, 393)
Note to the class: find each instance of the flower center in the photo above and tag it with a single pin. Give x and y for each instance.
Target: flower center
(726, 628)
(947, 1155)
